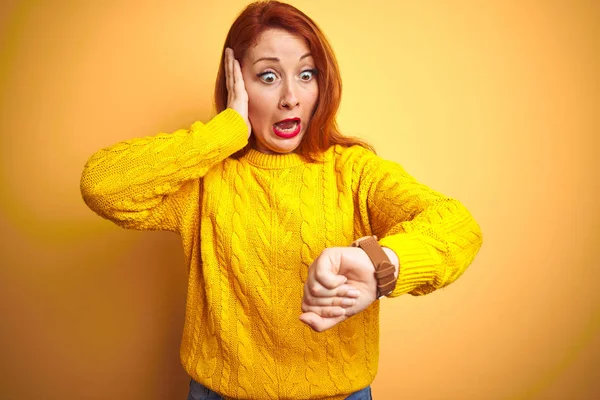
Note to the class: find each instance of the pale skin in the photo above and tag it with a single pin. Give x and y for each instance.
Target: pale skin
(277, 80)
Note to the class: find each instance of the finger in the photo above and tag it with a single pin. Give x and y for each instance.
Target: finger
(327, 307)
(319, 324)
(329, 279)
(239, 79)
(228, 80)
(232, 67)
(237, 73)
(325, 312)
(315, 289)
(347, 291)
(329, 301)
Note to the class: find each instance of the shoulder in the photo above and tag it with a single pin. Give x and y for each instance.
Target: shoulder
(355, 156)
(360, 161)
(366, 167)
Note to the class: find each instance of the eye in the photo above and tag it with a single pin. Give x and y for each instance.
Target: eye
(308, 74)
(267, 77)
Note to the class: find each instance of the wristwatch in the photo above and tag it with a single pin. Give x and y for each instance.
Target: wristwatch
(384, 269)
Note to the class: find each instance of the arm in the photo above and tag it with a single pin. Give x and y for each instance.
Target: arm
(434, 237)
(142, 183)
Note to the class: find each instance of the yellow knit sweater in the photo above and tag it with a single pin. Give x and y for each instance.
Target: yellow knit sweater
(251, 227)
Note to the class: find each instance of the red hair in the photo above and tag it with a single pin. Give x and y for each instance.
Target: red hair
(259, 16)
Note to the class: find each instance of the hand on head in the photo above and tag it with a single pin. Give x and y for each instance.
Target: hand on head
(237, 97)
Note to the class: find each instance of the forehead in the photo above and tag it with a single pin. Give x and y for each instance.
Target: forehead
(278, 43)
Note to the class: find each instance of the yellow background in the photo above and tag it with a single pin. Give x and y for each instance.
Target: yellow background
(496, 103)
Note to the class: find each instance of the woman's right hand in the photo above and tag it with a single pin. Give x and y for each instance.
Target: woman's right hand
(237, 97)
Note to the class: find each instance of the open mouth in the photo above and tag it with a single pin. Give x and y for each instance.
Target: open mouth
(287, 128)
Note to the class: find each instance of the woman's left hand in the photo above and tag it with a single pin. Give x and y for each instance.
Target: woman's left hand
(332, 265)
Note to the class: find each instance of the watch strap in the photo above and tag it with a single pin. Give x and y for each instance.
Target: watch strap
(384, 269)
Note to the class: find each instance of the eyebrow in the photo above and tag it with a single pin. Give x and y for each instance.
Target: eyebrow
(277, 59)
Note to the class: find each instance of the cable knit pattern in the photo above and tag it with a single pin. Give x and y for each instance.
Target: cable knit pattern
(314, 343)
(331, 226)
(226, 315)
(265, 290)
(239, 275)
(250, 229)
(289, 286)
(351, 335)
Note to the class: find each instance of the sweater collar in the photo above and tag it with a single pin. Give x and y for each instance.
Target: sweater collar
(273, 161)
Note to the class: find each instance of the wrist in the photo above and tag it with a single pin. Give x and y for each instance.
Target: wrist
(385, 261)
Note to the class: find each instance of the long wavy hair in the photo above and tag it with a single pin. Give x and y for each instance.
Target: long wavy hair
(322, 131)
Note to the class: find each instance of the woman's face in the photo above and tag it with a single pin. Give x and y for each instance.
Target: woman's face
(280, 78)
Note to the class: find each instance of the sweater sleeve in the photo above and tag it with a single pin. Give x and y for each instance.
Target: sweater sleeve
(142, 183)
(434, 236)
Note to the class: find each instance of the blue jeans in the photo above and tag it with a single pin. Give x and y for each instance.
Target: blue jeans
(201, 392)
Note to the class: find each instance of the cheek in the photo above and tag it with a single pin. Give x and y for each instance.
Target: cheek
(312, 96)
(255, 111)
(258, 105)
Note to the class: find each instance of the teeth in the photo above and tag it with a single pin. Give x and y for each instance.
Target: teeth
(288, 130)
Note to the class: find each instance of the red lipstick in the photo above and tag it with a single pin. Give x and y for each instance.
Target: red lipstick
(284, 131)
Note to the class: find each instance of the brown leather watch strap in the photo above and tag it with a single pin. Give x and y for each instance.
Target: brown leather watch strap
(384, 269)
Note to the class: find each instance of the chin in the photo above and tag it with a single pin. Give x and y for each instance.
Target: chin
(282, 146)
(284, 149)
(291, 145)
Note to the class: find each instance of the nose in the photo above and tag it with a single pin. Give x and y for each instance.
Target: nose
(288, 96)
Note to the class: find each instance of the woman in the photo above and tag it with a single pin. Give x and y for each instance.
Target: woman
(291, 231)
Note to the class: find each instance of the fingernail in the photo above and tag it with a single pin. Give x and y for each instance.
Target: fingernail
(353, 293)
(348, 302)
